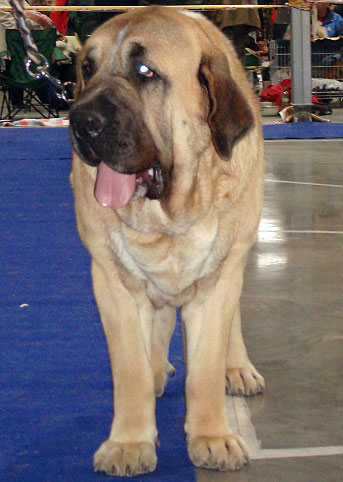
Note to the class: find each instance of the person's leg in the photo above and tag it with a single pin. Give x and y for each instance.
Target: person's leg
(16, 96)
(237, 34)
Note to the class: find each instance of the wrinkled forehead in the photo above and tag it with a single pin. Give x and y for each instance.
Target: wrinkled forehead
(159, 36)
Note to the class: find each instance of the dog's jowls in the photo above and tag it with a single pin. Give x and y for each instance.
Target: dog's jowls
(168, 180)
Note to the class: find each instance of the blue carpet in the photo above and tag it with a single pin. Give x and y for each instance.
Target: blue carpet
(303, 130)
(55, 387)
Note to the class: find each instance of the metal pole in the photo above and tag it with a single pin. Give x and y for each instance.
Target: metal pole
(301, 64)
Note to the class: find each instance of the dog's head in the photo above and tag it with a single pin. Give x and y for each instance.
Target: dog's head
(155, 89)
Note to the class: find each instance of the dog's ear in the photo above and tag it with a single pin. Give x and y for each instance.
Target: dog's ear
(230, 116)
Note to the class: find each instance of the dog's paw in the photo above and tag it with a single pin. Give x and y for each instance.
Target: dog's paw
(219, 453)
(244, 381)
(161, 377)
(125, 458)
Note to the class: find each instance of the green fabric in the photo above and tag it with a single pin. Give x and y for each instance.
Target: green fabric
(45, 41)
(252, 60)
(59, 55)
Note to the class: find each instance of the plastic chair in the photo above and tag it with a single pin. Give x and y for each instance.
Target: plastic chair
(37, 93)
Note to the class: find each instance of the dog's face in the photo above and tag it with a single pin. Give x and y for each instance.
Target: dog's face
(153, 91)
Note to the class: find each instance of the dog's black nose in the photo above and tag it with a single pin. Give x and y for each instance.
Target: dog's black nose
(86, 124)
(93, 125)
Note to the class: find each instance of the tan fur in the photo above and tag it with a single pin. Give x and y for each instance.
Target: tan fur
(188, 249)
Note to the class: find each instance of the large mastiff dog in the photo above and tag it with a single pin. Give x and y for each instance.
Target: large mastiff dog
(168, 180)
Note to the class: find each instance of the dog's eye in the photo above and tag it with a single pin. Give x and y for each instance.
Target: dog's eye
(88, 69)
(145, 71)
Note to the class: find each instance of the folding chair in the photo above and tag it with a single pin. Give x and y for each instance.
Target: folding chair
(37, 93)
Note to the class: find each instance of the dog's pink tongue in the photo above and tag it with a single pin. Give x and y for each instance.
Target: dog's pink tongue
(113, 189)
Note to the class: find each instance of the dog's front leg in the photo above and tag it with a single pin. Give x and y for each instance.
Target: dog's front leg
(208, 319)
(130, 448)
(242, 378)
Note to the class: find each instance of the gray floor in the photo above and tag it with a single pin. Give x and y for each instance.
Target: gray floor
(293, 311)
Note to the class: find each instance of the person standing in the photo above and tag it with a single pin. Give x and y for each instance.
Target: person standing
(237, 24)
(331, 21)
(35, 20)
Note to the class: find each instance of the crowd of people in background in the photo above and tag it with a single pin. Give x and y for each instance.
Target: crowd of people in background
(236, 24)
(328, 16)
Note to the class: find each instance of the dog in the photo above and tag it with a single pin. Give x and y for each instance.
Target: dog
(168, 183)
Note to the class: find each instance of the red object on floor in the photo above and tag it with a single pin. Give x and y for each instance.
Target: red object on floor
(273, 93)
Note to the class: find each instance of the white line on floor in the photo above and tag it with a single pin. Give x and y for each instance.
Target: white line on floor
(298, 231)
(304, 183)
(300, 452)
(268, 233)
(274, 141)
(240, 422)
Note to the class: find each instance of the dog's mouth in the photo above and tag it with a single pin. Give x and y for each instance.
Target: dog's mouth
(126, 158)
(114, 189)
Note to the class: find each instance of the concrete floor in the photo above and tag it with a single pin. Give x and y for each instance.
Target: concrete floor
(292, 310)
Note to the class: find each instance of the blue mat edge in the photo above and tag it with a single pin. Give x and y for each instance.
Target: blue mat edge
(303, 130)
(300, 130)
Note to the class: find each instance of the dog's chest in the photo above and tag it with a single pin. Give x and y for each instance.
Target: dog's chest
(169, 264)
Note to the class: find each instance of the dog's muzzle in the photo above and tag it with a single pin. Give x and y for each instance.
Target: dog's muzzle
(107, 133)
